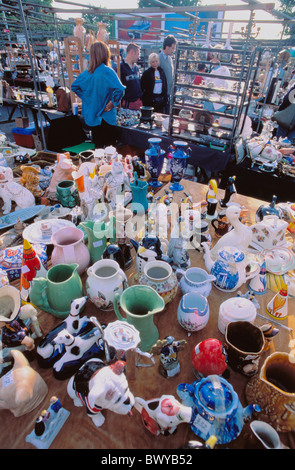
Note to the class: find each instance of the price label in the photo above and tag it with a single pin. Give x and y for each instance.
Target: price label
(202, 425)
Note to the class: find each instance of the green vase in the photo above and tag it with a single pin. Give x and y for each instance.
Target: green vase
(140, 304)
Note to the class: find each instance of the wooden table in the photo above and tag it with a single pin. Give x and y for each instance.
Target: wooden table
(124, 432)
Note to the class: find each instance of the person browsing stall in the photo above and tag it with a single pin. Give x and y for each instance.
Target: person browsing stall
(100, 90)
(130, 76)
(166, 63)
(154, 85)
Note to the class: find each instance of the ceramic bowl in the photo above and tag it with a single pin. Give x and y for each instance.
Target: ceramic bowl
(235, 309)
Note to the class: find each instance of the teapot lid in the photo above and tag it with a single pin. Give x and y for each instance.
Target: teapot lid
(231, 254)
(215, 394)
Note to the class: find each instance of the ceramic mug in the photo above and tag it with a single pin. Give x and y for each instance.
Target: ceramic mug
(67, 193)
(244, 344)
(211, 208)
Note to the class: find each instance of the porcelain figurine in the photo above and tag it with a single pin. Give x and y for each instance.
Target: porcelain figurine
(240, 236)
(104, 280)
(97, 387)
(102, 34)
(139, 168)
(62, 172)
(77, 350)
(269, 233)
(124, 229)
(118, 184)
(11, 191)
(162, 415)
(32, 267)
(128, 168)
(90, 187)
(168, 349)
(216, 408)
(160, 276)
(177, 251)
(270, 209)
(209, 358)
(148, 249)
(230, 268)
(22, 389)
(79, 30)
(212, 189)
(195, 279)
(277, 307)
(48, 424)
(230, 189)
(273, 390)
(193, 311)
(30, 179)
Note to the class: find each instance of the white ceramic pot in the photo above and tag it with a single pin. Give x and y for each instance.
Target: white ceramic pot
(105, 279)
(235, 309)
(193, 311)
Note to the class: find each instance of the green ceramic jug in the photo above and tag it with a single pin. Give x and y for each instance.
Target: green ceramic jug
(140, 303)
(98, 233)
(55, 292)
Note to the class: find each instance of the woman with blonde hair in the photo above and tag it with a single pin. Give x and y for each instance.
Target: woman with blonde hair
(100, 90)
(154, 85)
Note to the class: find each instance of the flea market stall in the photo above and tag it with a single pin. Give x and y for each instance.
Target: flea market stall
(147, 288)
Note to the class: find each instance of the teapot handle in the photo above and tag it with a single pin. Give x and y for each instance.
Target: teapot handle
(116, 302)
(251, 275)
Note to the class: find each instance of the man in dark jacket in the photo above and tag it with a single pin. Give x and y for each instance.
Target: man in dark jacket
(130, 77)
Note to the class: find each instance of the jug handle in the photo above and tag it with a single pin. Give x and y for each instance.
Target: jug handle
(250, 275)
(213, 222)
(145, 354)
(123, 276)
(116, 301)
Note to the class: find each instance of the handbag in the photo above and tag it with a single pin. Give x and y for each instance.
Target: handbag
(286, 117)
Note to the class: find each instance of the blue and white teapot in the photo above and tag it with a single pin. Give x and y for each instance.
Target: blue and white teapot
(216, 408)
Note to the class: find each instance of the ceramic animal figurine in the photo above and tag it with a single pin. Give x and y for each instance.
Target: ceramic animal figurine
(212, 190)
(118, 184)
(162, 415)
(230, 189)
(30, 179)
(177, 248)
(77, 350)
(98, 386)
(63, 171)
(168, 349)
(148, 249)
(48, 424)
(240, 236)
(29, 315)
(216, 408)
(10, 191)
(22, 389)
(209, 358)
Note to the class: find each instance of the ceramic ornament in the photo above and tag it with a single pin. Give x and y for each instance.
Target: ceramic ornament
(162, 415)
(278, 306)
(79, 30)
(212, 190)
(30, 179)
(230, 189)
(10, 191)
(168, 349)
(22, 389)
(90, 188)
(31, 267)
(63, 171)
(48, 424)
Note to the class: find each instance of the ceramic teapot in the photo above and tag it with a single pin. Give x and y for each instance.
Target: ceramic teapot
(216, 408)
(230, 268)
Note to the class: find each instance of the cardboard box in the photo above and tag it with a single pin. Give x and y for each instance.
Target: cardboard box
(22, 122)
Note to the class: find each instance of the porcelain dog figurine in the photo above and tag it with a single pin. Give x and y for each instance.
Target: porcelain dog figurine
(12, 191)
(22, 389)
(162, 415)
(97, 387)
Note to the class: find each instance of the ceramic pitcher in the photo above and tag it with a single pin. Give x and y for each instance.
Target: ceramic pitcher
(69, 248)
(55, 293)
(98, 233)
(160, 276)
(274, 391)
(105, 280)
(140, 304)
(195, 279)
(193, 311)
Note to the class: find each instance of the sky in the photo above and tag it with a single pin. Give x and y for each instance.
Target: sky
(268, 31)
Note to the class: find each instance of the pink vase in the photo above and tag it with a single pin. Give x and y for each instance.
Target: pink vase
(69, 248)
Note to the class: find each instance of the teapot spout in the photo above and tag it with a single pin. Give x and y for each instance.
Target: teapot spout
(207, 257)
(249, 410)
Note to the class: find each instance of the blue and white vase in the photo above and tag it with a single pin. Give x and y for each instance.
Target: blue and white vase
(180, 154)
(154, 159)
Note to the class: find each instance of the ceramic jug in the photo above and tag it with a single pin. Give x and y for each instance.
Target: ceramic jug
(105, 279)
(69, 248)
(193, 311)
(263, 436)
(217, 410)
(98, 234)
(274, 391)
(139, 188)
(160, 276)
(195, 279)
(140, 304)
(230, 268)
(55, 293)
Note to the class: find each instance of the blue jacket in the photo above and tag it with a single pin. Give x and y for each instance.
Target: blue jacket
(96, 90)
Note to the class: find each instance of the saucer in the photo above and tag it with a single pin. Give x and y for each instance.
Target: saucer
(33, 233)
(279, 260)
(267, 171)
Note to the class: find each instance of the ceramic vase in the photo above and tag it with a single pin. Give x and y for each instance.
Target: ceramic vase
(154, 158)
(274, 391)
(67, 193)
(193, 311)
(180, 154)
(139, 195)
(69, 248)
(278, 306)
(105, 279)
(160, 276)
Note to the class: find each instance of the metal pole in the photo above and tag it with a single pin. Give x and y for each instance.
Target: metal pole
(33, 72)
